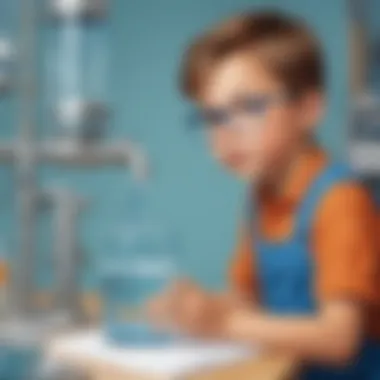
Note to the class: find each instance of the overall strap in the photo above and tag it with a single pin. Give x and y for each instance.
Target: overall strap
(331, 175)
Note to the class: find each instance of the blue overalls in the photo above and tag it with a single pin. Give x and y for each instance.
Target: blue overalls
(285, 272)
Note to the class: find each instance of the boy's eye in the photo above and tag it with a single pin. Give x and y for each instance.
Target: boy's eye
(215, 116)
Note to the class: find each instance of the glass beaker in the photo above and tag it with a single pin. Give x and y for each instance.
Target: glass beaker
(141, 266)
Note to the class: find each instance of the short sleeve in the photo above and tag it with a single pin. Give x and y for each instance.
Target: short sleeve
(346, 245)
(241, 270)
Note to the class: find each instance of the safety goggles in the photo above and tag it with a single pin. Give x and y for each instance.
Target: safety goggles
(250, 107)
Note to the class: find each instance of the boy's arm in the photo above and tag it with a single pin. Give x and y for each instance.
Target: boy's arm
(332, 336)
(346, 263)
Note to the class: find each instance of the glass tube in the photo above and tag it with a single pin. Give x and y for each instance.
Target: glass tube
(81, 59)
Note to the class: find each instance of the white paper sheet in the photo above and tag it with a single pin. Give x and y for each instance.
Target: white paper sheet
(172, 362)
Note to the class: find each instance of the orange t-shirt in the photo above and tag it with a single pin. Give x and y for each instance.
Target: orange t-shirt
(345, 242)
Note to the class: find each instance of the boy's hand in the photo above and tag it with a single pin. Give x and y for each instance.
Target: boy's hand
(191, 309)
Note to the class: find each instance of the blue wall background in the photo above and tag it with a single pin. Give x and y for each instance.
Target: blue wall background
(188, 190)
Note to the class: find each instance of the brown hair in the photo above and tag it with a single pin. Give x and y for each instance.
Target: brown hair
(284, 45)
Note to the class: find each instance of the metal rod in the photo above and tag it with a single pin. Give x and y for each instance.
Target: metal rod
(72, 153)
(25, 161)
(67, 254)
(123, 153)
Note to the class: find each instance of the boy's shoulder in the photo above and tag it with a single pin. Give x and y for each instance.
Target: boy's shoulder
(349, 196)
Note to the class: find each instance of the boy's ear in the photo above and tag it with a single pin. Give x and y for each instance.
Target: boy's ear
(313, 109)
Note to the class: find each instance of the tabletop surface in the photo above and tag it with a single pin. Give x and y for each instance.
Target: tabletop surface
(243, 366)
(264, 368)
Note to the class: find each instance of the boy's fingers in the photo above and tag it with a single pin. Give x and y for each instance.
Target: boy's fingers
(191, 311)
(159, 308)
(167, 307)
(183, 305)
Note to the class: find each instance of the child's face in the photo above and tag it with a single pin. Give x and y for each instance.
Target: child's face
(254, 125)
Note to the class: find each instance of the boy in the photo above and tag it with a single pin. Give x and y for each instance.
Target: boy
(305, 274)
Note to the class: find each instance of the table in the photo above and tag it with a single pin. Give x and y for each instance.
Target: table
(264, 367)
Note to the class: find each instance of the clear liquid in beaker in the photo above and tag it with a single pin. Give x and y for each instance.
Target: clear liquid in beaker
(127, 291)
